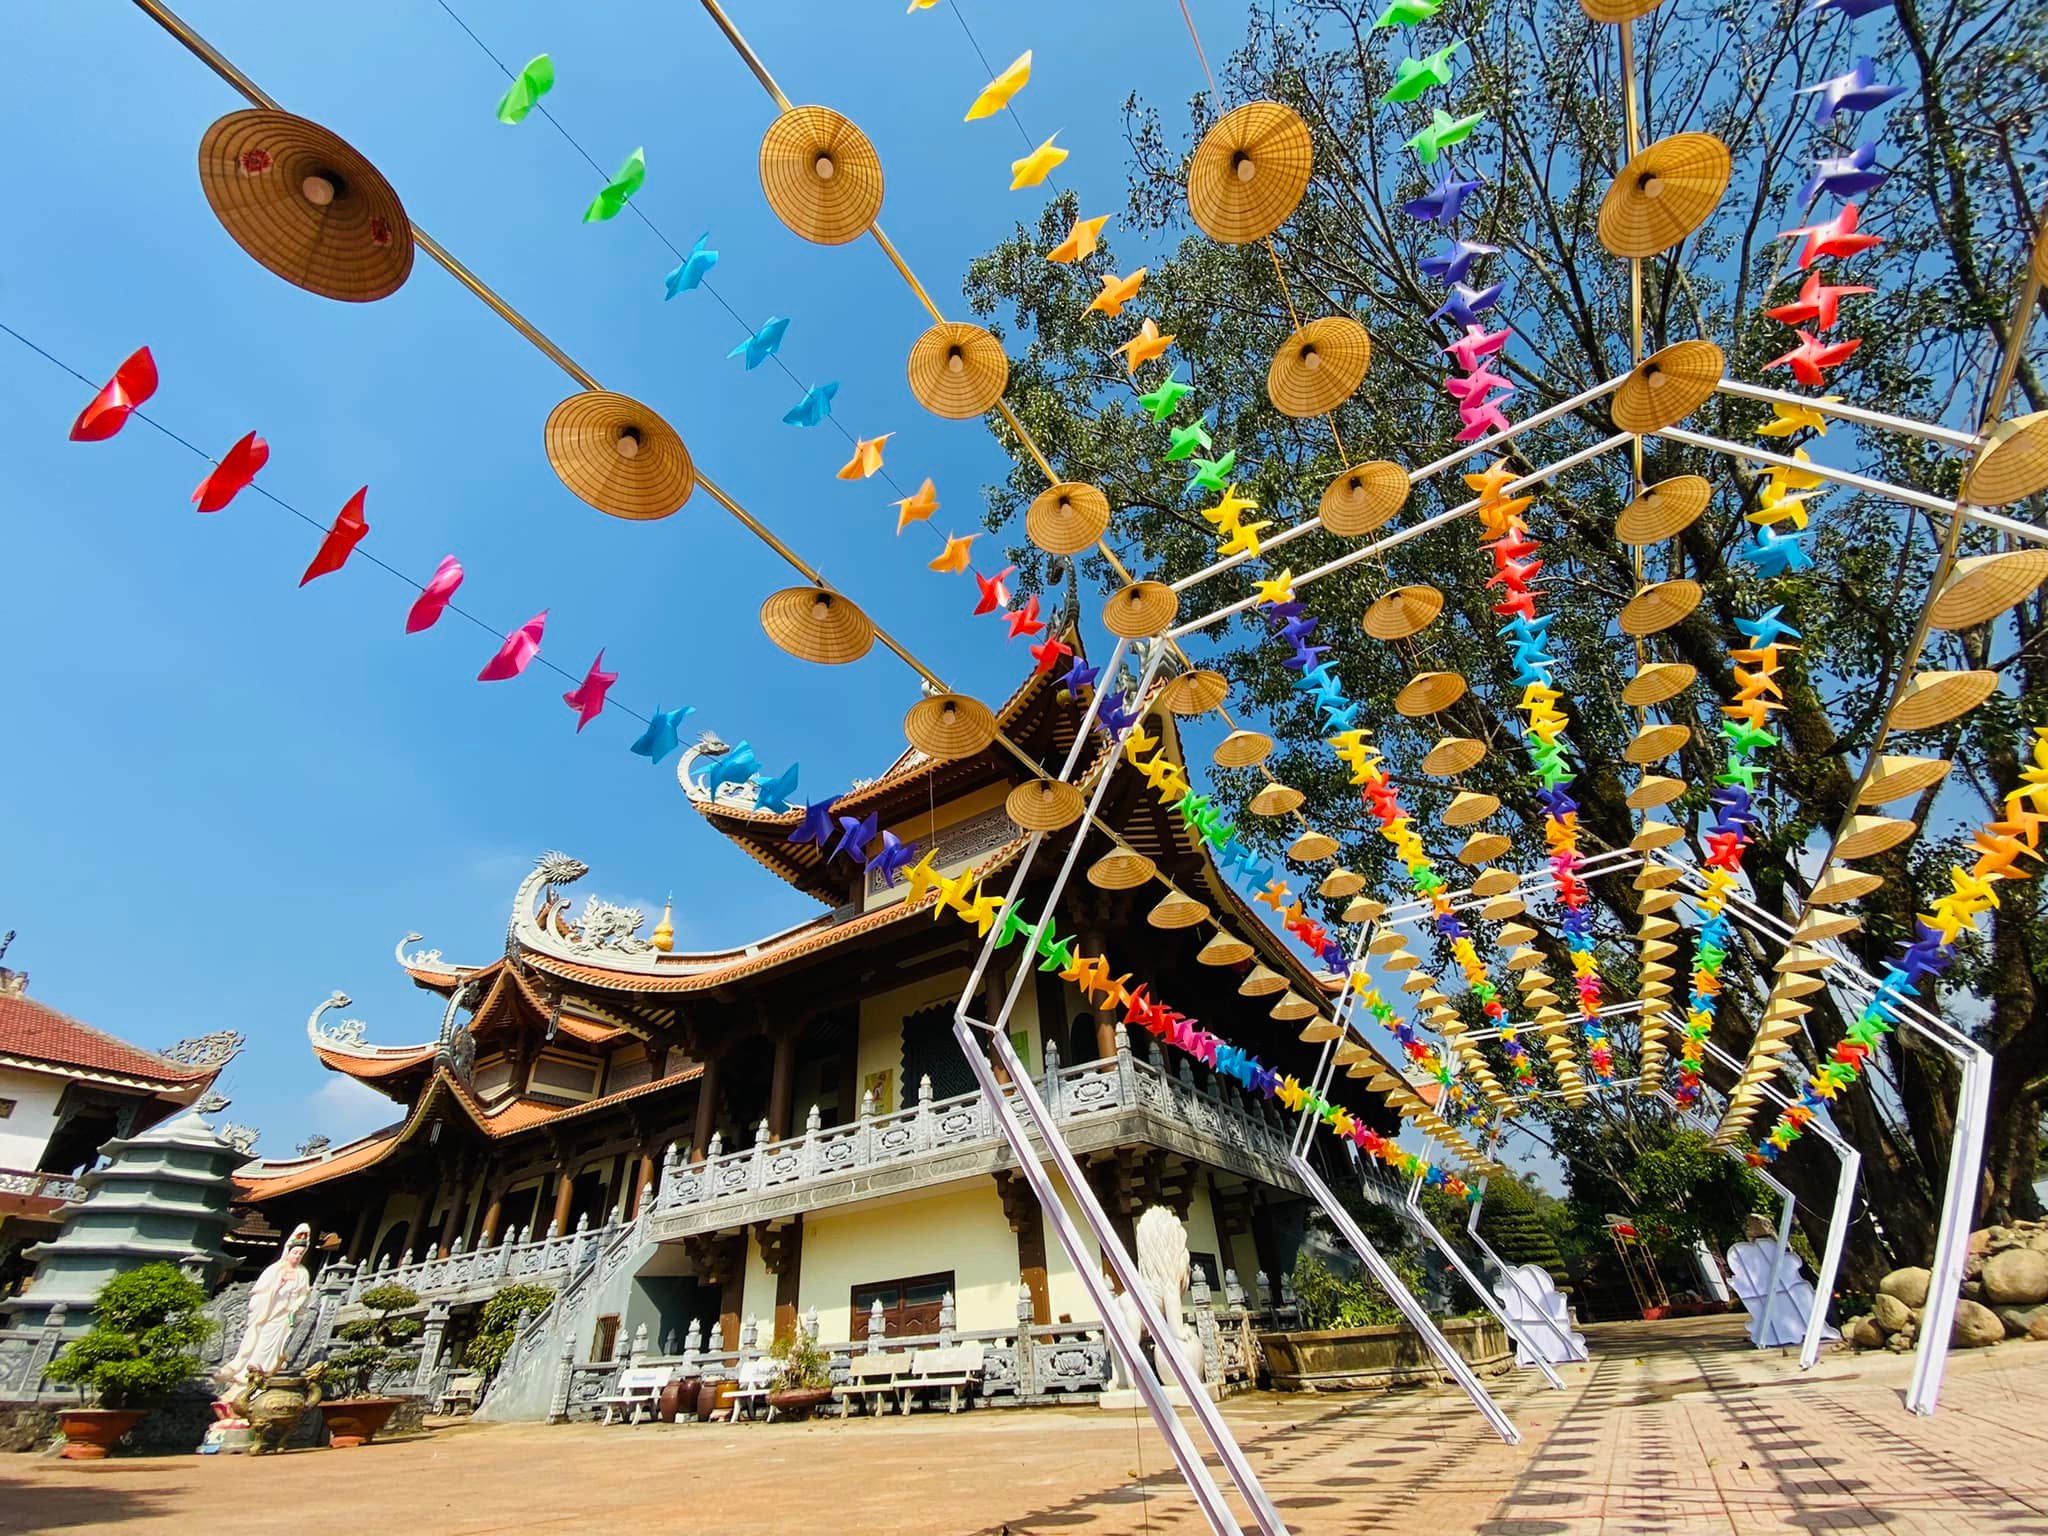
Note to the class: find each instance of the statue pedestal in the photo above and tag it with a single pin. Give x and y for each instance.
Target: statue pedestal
(1124, 1399)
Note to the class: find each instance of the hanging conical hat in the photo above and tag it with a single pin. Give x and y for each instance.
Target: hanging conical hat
(1866, 835)
(1317, 1030)
(1804, 959)
(1120, 869)
(1249, 172)
(1935, 698)
(619, 455)
(1261, 982)
(1655, 742)
(1351, 1054)
(1363, 909)
(1798, 984)
(1481, 846)
(2013, 466)
(1663, 510)
(1658, 949)
(1659, 606)
(1175, 910)
(1276, 800)
(1841, 885)
(1657, 681)
(1665, 192)
(1312, 847)
(1431, 999)
(1498, 908)
(1067, 518)
(1514, 935)
(1142, 609)
(1468, 806)
(1523, 958)
(1897, 775)
(1652, 971)
(1401, 960)
(949, 725)
(1667, 386)
(1242, 749)
(1428, 692)
(1224, 949)
(1654, 789)
(821, 175)
(1364, 497)
(1318, 367)
(1292, 1007)
(1195, 692)
(2037, 265)
(1819, 925)
(1984, 586)
(1386, 942)
(1403, 612)
(1495, 882)
(1657, 901)
(1341, 882)
(1657, 928)
(814, 624)
(1655, 877)
(1044, 805)
(957, 370)
(1654, 835)
(1453, 754)
(305, 204)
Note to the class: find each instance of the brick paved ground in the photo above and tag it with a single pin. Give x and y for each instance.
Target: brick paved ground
(1673, 1429)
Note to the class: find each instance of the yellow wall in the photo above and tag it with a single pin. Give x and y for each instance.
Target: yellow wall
(960, 1230)
(399, 1208)
(757, 1294)
(1063, 1285)
(881, 1033)
(920, 828)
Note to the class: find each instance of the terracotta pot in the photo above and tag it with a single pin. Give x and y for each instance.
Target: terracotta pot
(797, 1402)
(89, 1433)
(353, 1421)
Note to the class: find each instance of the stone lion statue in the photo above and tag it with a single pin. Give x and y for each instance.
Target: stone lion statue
(1164, 1269)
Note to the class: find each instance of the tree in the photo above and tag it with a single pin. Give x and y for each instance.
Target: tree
(147, 1327)
(375, 1342)
(1956, 220)
(498, 1325)
(1510, 1223)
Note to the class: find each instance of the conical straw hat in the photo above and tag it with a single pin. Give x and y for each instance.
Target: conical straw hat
(1364, 497)
(1935, 698)
(1453, 754)
(1276, 800)
(1657, 901)
(1614, 13)
(1897, 775)
(1657, 681)
(1655, 742)
(821, 175)
(1669, 507)
(1261, 982)
(305, 204)
(1500, 908)
(1667, 386)
(1654, 789)
(949, 725)
(1797, 984)
(1403, 612)
(1386, 942)
(957, 370)
(1654, 835)
(1312, 847)
(2014, 465)
(1655, 877)
(1427, 692)
(1224, 949)
(1984, 586)
(1818, 925)
(1341, 882)
(1363, 909)
(1120, 869)
(815, 624)
(1249, 172)
(1067, 518)
(1177, 911)
(1481, 846)
(1468, 806)
(1866, 835)
(1317, 1029)
(1044, 805)
(1195, 692)
(1803, 959)
(1318, 367)
(1842, 884)
(1659, 606)
(1495, 882)
(1292, 1007)
(1142, 609)
(619, 455)
(1242, 749)
(1657, 928)
(1668, 190)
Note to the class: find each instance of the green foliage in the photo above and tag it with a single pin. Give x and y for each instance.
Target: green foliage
(1511, 1223)
(499, 1323)
(1669, 1180)
(803, 1361)
(1330, 1300)
(375, 1340)
(148, 1325)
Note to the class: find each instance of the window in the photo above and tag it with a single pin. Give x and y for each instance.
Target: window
(607, 1337)
(1206, 1263)
(568, 1078)
(909, 1307)
(492, 1077)
(6, 1109)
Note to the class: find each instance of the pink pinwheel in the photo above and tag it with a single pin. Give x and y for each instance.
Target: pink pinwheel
(587, 697)
(1476, 343)
(435, 597)
(520, 647)
(347, 532)
(1480, 420)
(1475, 386)
(108, 412)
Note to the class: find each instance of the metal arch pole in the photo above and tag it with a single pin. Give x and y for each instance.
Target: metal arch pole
(1561, 1334)
(1420, 1219)
(1862, 415)
(1831, 1254)
(1785, 1212)
(1404, 1301)
(1958, 1206)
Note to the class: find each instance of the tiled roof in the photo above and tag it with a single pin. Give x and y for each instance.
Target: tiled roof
(33, 1031)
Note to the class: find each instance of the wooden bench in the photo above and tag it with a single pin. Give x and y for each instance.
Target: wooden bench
(639, 1390)
(956, 1368)
(462, 1392)
(874, 1377)
(752, 1383)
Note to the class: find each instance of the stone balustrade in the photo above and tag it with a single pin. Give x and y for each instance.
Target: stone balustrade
(518, 1257)
(58, 1187)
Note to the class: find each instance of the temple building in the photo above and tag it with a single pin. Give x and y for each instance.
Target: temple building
(788, 1126)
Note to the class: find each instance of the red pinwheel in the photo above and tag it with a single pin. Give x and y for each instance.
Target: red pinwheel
(1048, 651)
(341, 540)
(435, 596)
(1024, 621)
(234, 472)
(1835, 237)
(108, 411)
(1818, 302)
(1809, 360)
(995, 597)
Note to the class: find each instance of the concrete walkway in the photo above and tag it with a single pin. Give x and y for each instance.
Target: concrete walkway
(1673, 1428)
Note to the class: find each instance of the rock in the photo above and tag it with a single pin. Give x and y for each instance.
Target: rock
(1980, 1240)
(1973, 1289)
(1863, 1333)
(1898, 1343)
(1909, 1285)
(2018, 1277)
(2038, 1329)
(1889, 1313)
(1976, 1326)
(2018, 1320)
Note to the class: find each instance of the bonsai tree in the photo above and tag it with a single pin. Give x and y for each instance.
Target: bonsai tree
(373, 1341)
(802, 1362)
(499, 1323)
(147, 1327)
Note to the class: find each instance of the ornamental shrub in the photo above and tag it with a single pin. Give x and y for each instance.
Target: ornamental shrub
(374, 1341)
(147, 1327)
(500, 1321)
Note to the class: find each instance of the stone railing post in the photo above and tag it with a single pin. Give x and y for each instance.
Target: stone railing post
(1233, 1292)
(1203, 1302)
(558, 1403)
(923, 1136)
(1262, 1291)
(430, 1344)
(1126, 1069)
(639, 1350)
(757, 1167)
(809, 1324)
(1051, 1089)
(48, 1342)
(807, 1156)
(693, 1342)
(864, 1143)
(947, 1317)
(1027, 1344)
(750, 1335)
(671, 1159)
(878, 1327)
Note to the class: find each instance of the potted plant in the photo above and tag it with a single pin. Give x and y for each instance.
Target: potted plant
(803, 1378)
(354, 1414)
(147, 1327)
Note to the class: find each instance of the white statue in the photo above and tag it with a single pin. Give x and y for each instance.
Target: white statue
(273, 1305)
(1164, 1268)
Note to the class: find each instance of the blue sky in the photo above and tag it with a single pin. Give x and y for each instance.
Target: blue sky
(227, 796)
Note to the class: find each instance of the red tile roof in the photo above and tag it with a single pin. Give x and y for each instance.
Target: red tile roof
(34, 1031)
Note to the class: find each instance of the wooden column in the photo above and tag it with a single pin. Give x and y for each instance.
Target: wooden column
(1021, 1208)
(643, 1179)
(494, 1218)
(707, 1111)
(365, 1231)
(782, 1251)
(782, 1084)
(449, 1222)
(565, 1191)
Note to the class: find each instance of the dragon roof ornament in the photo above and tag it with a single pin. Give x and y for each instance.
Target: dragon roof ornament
(423, 959)
(742, 796)
(346, 1037)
